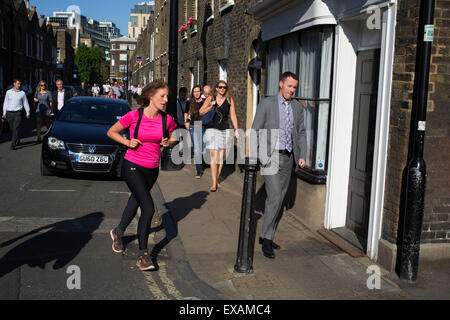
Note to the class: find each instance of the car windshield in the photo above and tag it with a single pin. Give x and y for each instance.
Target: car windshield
(92, 112)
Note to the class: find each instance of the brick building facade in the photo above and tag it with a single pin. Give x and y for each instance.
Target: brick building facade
(161, 21)
(436, 223)
(218, 49)
(27, 45)
(335, 53)
(120, 57)
(65, 57)
(143, 73)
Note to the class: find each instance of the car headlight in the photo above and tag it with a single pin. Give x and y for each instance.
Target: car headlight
(56, 144)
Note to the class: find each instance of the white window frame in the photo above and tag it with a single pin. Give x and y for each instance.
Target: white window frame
(223, 75)
(123, 57)
(228, 4)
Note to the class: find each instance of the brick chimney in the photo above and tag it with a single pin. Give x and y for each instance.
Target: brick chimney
(28, 4)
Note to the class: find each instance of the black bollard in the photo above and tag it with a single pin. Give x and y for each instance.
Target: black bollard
(247, 231)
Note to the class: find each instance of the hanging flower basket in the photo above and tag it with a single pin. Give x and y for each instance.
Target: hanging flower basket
(192, 24)
(183, 31)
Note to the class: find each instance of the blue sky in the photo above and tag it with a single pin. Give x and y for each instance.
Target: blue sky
(115, 11)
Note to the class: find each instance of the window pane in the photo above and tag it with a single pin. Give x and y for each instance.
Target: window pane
(322, 130)
(273, 67)
(309, 110)
(291, 48)
(326, 59)
(308, 63)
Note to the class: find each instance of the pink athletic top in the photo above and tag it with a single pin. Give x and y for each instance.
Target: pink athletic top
(150, 134)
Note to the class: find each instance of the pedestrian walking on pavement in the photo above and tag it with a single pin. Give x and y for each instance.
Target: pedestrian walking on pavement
(15, 101)
(60, 97)
(182, 107)
(152, 128)
(206, 91)
(218, 137)
(193, 115)
(43, 102)
(95, 90)
(111, 94)
(279, 112)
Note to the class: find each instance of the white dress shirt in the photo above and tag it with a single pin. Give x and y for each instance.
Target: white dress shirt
(15, 101)
(60, 99)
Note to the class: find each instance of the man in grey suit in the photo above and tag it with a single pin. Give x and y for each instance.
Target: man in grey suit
(282, 115)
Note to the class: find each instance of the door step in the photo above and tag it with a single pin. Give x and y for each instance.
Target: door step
(341, 243)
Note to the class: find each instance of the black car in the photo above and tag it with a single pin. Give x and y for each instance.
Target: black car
(77, 142)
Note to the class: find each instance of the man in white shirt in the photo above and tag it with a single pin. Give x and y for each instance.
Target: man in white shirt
(15, 101)
(95, 90)
(60, 96)
(116, 90)
(106, 87)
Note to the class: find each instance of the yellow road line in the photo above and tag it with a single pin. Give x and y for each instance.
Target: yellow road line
(168, 284)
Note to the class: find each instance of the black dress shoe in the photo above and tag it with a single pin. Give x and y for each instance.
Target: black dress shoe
(13, 147)
(267, 249)
(274, 245)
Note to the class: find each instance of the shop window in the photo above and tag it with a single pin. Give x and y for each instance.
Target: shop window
(309, 54)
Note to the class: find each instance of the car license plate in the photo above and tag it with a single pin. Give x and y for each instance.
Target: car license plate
(82, 158)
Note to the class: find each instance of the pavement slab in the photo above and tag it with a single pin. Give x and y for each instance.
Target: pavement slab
(307, 266)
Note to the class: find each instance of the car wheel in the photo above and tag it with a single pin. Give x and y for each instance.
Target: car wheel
(45, 171)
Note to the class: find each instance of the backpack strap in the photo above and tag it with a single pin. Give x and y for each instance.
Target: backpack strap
(164, 125)
(136, 130)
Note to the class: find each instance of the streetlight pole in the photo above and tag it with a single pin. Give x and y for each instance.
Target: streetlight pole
(126, 86)
(166, 157)
(415, 186)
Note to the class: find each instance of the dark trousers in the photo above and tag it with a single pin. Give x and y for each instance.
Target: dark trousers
(140, 180)
(14, 120)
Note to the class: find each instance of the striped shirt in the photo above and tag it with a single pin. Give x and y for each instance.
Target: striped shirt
(15, 101)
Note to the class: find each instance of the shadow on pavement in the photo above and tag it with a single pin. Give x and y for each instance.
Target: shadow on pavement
(63, 242)
(178, 209)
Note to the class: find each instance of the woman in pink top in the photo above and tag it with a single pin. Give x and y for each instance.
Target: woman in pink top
(141, 164)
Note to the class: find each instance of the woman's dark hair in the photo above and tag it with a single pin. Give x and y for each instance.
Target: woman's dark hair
(193, 106)
(149, 91)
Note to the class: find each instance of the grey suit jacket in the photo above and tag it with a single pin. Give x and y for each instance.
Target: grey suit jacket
(268, 117)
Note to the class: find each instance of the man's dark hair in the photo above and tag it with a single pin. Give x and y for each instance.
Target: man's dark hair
(16, 79)
(183, 89)
(288, 74)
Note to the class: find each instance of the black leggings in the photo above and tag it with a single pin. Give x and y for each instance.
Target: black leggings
(140, 180)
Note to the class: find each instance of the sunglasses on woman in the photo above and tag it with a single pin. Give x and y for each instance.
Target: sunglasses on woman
(222, 87)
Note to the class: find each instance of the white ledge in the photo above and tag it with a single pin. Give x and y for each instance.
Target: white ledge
(228, 5)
